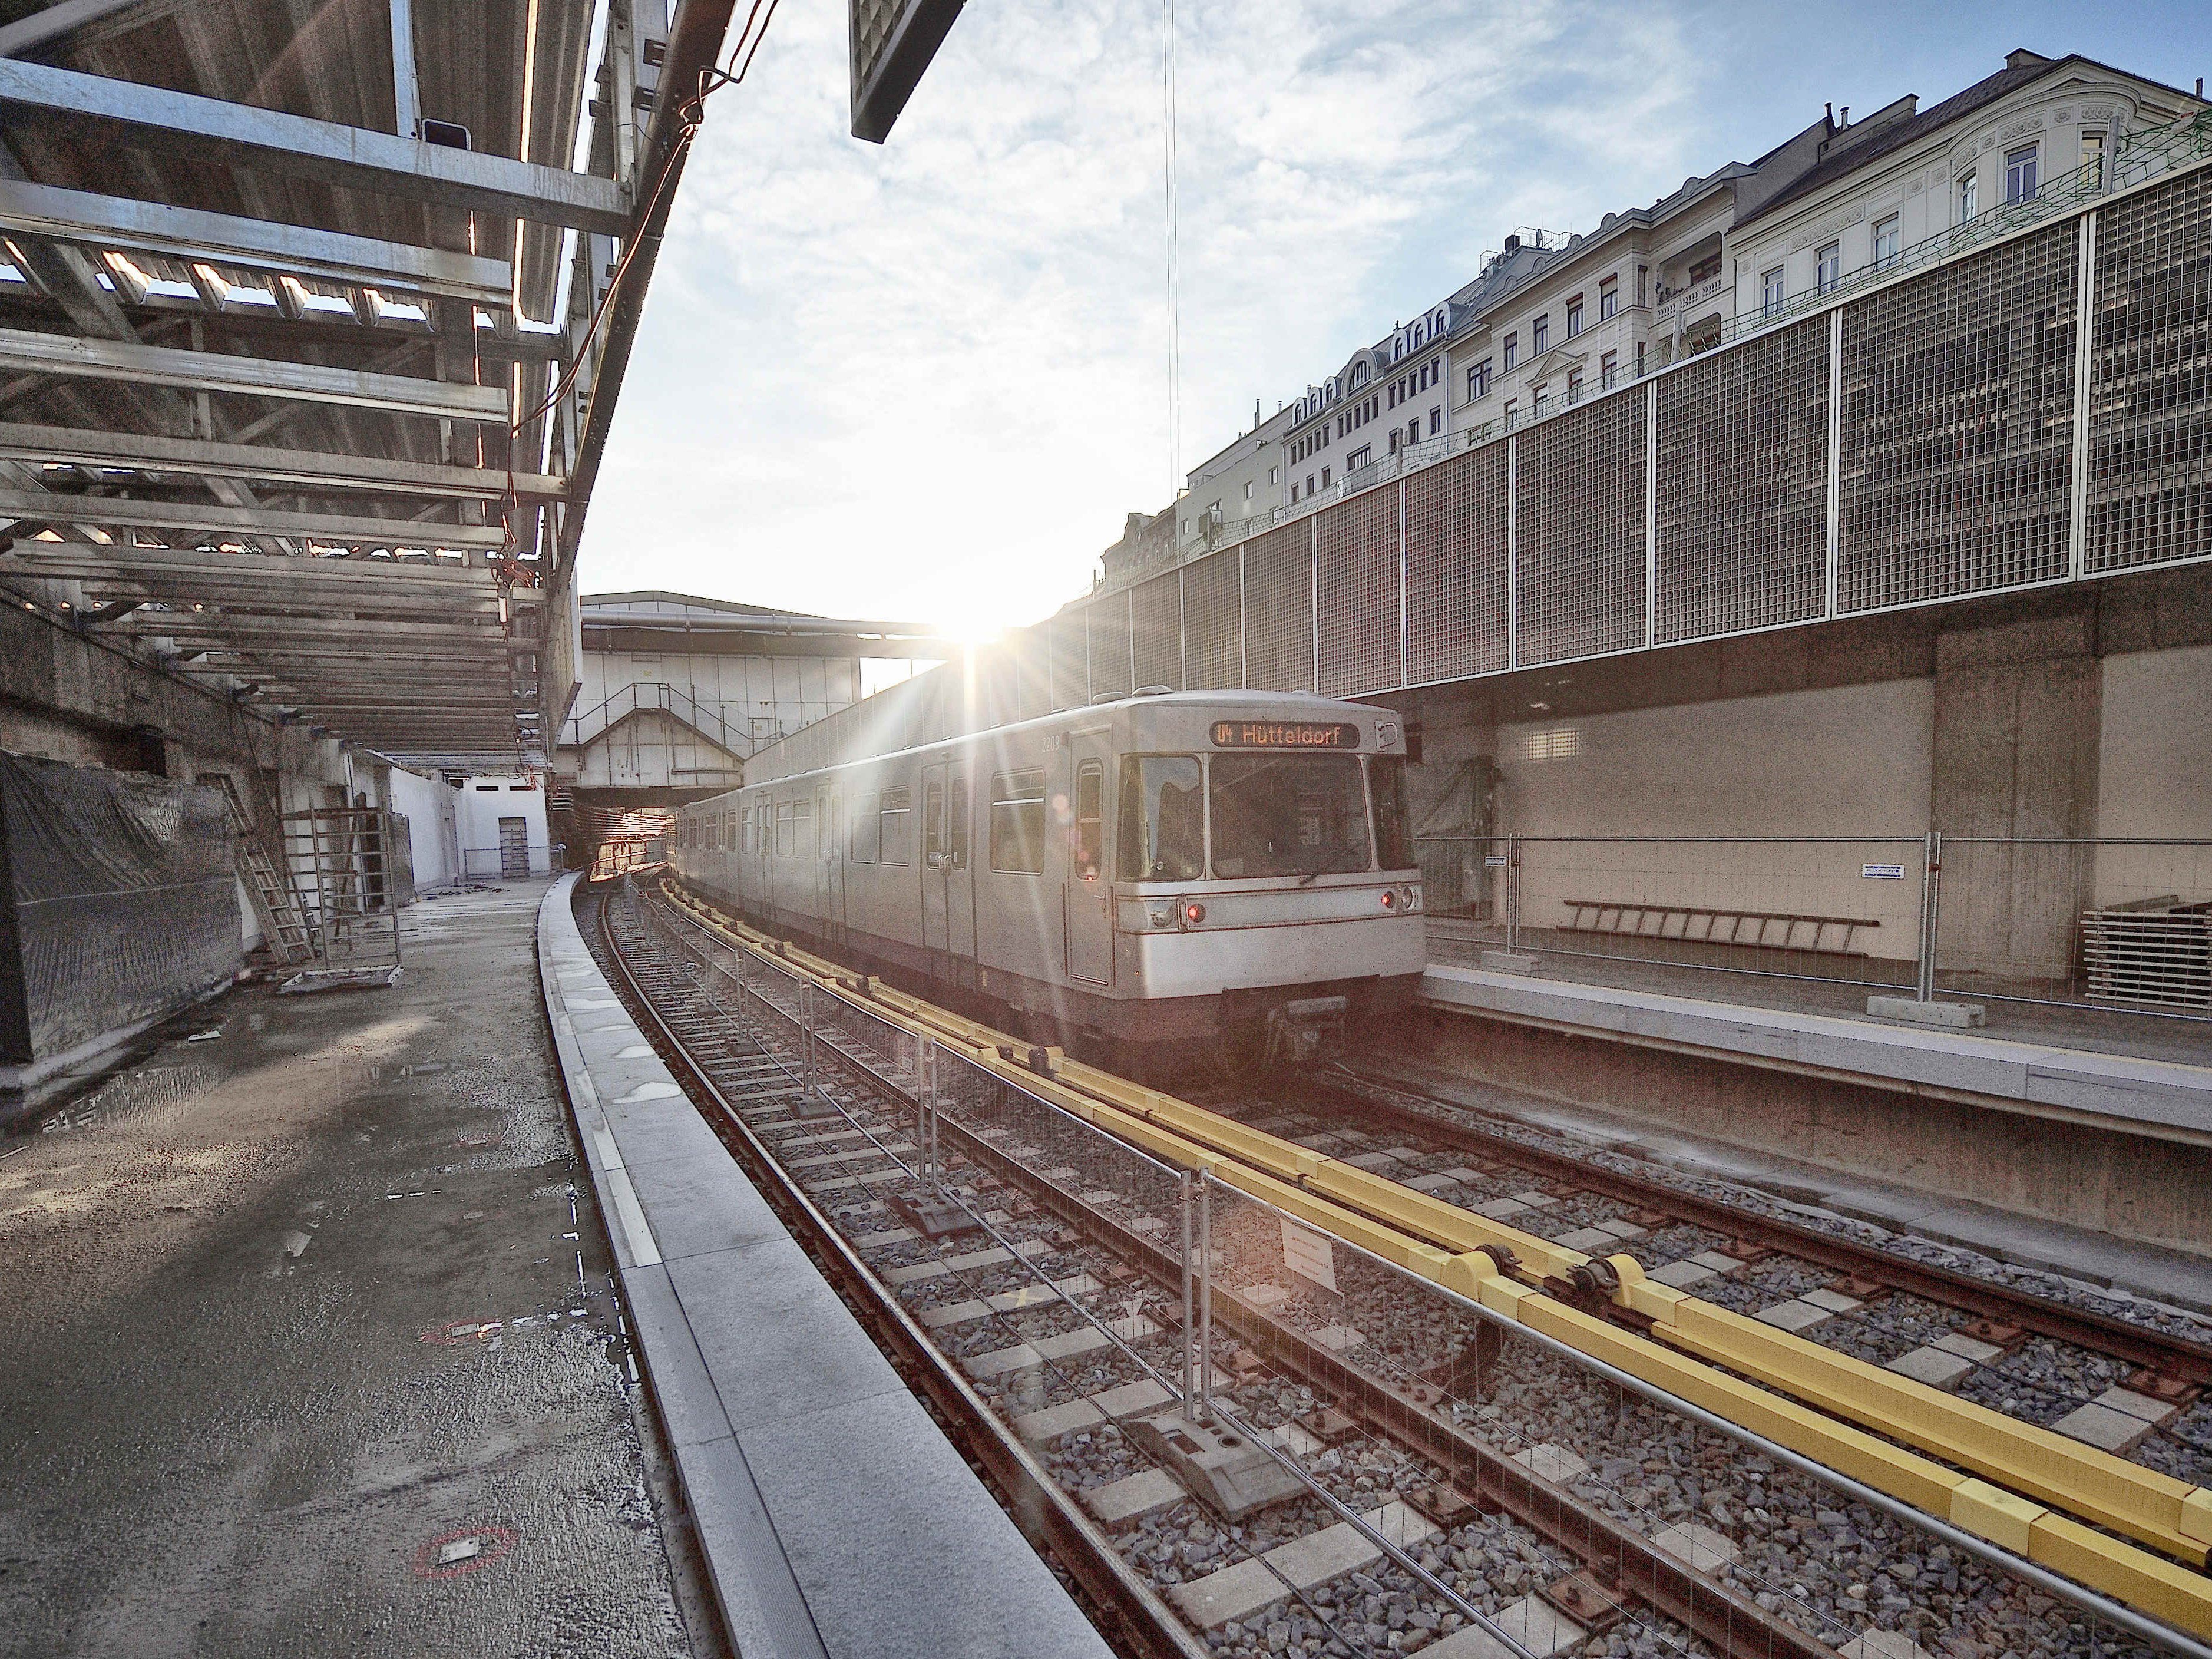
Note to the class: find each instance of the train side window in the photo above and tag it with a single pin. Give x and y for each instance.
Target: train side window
(898, 826)
(1163, 826)
(802, 827)
(932, 824)
(1089, 820)
(783, 829)
(959, 835)
(1018, 823)
(1394, 840)
(867, 829)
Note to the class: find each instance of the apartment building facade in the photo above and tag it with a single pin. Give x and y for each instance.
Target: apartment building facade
(1553, 321)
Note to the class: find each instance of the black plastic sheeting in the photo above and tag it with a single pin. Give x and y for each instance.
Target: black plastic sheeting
(122, 901)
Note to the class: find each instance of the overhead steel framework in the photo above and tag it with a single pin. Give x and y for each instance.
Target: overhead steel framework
(312, 321)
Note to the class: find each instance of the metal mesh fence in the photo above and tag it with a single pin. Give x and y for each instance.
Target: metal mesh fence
(1071, 667)
(1356, 571)
(1109, 648)
(1579, 522)
(1456, 548)
(2149, 496)
(1957, 433)
(1742, 513)
(1155, 610)
(1212, 622)
(1279, 637)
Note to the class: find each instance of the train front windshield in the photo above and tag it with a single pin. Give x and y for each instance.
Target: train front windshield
(1288, 815)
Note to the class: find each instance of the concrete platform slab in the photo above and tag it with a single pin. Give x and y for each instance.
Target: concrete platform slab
(1681, 1275)
(2147, 1407)
(1794, 1314)
(1834, 1301)
(2119, 1432)
(1242, 1590)
(1967, 1348)
(1040, 1427)
(1589, 1240)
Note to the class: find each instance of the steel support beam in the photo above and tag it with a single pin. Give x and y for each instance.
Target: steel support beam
(182, 125)
(258, 377)
(58, 25)
(175, 232)
(297, 469)
(119, 512)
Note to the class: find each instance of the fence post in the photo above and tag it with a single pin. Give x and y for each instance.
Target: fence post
(1183, 1182)
(806, 1041)
(1512, 895)
(1204, 1296)
(1931, 878)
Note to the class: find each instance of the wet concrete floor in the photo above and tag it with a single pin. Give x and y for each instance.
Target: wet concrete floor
(310, 1347)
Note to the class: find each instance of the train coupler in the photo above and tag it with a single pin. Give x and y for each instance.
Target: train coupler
(1305, 1030)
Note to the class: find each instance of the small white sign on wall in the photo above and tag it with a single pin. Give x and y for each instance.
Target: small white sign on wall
(1309, 1255)
(1882, 871)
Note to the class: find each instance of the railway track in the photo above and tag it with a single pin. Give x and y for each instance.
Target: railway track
(2002, 1336)
(1066, 1313)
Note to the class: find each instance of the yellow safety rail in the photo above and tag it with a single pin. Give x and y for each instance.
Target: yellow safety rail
(1441, 1243)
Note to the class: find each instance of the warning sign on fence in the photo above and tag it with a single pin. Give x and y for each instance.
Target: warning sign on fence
(1309, 1255)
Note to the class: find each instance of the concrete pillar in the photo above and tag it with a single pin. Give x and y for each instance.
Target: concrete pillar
(2017, 719)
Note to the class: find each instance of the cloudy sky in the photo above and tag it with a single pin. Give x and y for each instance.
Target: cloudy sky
(928, 379)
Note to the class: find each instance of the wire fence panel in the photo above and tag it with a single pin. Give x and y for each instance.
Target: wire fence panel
(1212, 623)
(1356, 570)
(1579, 518)
(1156, 612)
(1957, 456)
(1109, 648)
(1742, 515)
(1456, 547)
(1071, 667)
(2150, 457)
(1278, 622)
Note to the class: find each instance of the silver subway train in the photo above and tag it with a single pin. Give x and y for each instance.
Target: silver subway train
(1166, 870)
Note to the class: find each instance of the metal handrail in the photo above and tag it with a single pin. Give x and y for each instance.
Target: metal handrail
(665, 698)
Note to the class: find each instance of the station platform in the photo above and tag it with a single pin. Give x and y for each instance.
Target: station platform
(2159, 1094)
(311, 1346)
(834, 1516)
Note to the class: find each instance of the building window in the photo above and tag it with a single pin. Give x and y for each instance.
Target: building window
(1968, 192)
(1512, 351)
(1435, 421)
(1248, 490)
(1640, 359)
(1309, 480)
(1642, 285)
(1393, 440)
(1608, 369)
(1324, 477)
(1512, 413)
(2020, 173)
(2093, 156)
(1275, 475)
(1770, 292)
(1360, 457)
(1537, 399)
(1294, 490)
(1539, 334)
(1413, 431)
(1608, 298)
(1478, 381)
(1830, 266)
(1574, 389)
(1884, 241)
(1705, 270)
(1574, 316)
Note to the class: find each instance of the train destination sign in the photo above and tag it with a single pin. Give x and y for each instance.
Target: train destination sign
(1286, 734)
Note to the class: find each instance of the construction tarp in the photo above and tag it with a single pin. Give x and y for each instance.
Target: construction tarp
(121, 902)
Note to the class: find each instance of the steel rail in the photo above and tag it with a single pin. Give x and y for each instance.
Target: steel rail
(2140, 1345)
(1045, 1515)
(2054, 1493)
(1624, 1560)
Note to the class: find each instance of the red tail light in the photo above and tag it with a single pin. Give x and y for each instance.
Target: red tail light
(1389, 899)
(1194, 914)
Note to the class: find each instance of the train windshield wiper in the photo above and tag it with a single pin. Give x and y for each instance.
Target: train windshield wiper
(1332, 862)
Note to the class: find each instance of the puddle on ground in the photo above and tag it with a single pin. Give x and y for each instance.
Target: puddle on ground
(130, 1095)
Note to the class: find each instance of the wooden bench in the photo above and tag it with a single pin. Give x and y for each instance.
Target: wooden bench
(1707, 924)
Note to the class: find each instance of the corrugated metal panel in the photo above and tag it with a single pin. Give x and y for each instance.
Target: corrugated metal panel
(1071, 669)
(1743, 487)
(1109, 648)
(1958, 428)
(2150, 433)
(1213, 631)
(1156, 606)
(1580, 532)
(1031, 649)
(1357, 570)
(1278, 610)
(1455, 567)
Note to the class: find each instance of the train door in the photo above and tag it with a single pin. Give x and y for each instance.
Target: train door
(936, 871)
(1089, 894)
(829, 866)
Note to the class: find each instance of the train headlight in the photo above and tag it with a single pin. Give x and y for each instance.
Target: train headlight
(1193, 914)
